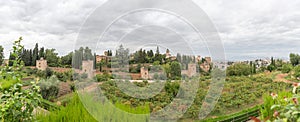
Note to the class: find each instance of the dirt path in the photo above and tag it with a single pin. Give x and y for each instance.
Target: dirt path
(281, 78)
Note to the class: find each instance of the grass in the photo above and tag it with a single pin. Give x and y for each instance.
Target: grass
(76, 111)
(6, 84)
(73, 112)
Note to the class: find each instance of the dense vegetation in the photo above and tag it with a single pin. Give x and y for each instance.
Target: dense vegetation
(238, 93)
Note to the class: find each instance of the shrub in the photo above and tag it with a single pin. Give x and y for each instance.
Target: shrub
(239, 69)
(286, 68)
(84, 76)
(297, 71)
(49, 88)
(103, 77)
(61, 76)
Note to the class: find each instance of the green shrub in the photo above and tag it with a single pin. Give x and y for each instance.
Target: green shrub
(49, 88)
(103, 77)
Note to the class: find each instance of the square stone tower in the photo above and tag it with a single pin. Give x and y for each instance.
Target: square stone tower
(192, 69)
(41, 64)
(88, 68)
(144, 73)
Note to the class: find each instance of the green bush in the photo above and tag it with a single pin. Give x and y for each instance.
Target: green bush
(239, 69)
(103, 77)
(49, 88)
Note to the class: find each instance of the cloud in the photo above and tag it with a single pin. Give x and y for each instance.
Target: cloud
(249, 28)
(254, 28)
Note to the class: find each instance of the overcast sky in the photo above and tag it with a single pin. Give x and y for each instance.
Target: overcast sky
(249, 29)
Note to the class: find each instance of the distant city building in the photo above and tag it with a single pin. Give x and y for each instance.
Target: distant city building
(208, 60)
(198, 59)
(41, 64)
(220, 65)
(104, 57)
(169, 56)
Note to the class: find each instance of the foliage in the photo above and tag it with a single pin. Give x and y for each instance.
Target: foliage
(17, 104)
(44, 74)
(35, 54)
(80, 55)
(49, 87)
(103, 77)
(294, 59)
(271, 67)
(297, 71)
(13, 73)
(1, 55)
(239, 92)
(175, 70)
(52, 58)
(67, 60)
(269, 100)
(287, 108)
(286, 68)
(122, 57)
(239, 69)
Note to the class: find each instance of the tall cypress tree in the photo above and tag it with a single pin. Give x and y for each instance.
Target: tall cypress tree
(35, 54)
(95, 61)
(1, 55)
(42, 52)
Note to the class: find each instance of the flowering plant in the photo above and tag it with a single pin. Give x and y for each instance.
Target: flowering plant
(290, 110)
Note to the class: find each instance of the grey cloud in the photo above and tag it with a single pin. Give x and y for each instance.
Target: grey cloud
(248, 28)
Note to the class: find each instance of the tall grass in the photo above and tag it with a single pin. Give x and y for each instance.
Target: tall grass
(76, 111)
(73, 112)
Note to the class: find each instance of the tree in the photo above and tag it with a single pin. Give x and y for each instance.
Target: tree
(26, 57)
(167, 69)
(294, 59)
(271, 68)
(95, 61)
(1, 55)
(67, 59)
(239, 69)
(11, 59)
(51, 57)
(122, 56)
(150, 54)
(35, 54)
(286, 68)
(178, 57)
(42, 52)
(254, 69)
(87, 54)
(175, 70)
